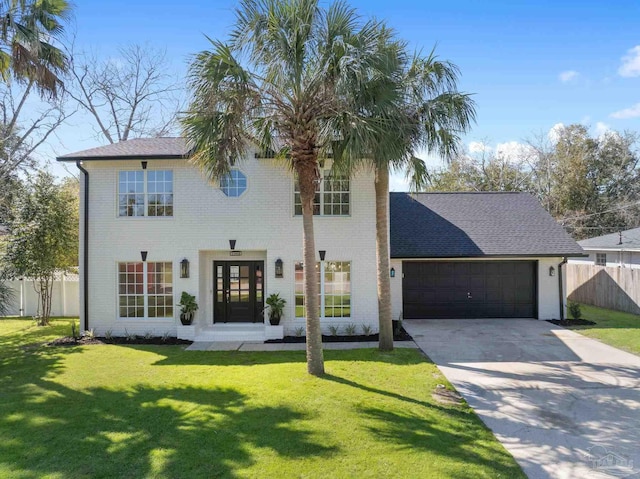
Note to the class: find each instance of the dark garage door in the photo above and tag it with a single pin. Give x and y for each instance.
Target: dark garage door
(469, 289)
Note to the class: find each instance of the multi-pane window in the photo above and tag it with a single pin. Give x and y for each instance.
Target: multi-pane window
(160, 290)
(160, 193)
(601, 259)
(336, 285)
(145, 290)
(131, 290)
(301, 311)
(332, 196)
(234, 183)
(131, 193)
(337, 289)
(145, 192)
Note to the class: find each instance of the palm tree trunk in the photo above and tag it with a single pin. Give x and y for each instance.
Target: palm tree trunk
(307, 178)
(382, 256)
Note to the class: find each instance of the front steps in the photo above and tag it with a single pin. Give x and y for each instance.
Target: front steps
(231, 332)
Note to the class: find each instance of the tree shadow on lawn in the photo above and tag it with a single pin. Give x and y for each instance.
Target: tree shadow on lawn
(146, 431)
(450, 431)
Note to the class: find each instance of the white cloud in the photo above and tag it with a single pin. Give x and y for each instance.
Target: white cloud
(568, 75)
(630, 63)
(554, 132)
(513, 151)
(479, 147)
(631, 112)
(602, 128)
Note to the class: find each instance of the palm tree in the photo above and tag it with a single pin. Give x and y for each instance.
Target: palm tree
(27, 28)
(418, 106)
(285, 81)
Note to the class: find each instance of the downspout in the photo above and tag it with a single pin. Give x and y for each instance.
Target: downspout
(560, 288)
(85, 243)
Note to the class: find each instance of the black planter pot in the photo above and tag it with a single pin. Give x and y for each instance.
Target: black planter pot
(186, 319)
(274, 319)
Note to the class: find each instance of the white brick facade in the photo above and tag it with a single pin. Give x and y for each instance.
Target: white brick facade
(262, 222)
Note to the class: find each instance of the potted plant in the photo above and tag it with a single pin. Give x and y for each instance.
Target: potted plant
(188, 307)
(276, 306)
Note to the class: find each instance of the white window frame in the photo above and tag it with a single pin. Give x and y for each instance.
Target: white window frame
(246, 186)
(320, 191)
(145, 292)
(145, 193)
(601, 259)
(321, 291)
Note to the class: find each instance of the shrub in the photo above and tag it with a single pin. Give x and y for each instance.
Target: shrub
(350, 329)
(299, 331)
(574, 310)
(367, 329)
(334, 330)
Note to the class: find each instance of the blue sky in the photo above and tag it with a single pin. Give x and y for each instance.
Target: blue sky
(530, 64)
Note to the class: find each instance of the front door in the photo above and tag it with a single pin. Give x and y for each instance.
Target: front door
(237, 295)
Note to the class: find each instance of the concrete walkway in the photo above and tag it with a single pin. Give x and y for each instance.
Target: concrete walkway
(248, 346)
(564, 405)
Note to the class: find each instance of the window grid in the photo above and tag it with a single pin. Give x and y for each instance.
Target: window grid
(601, 259)
(332, 198)
(233, 184)
(131, 290)
(337, 289)
(131, 193)
(145, 287)
(160, 193)
(145, 192)
(160, 290)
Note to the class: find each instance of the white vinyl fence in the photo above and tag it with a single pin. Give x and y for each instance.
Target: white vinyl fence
(65, 300)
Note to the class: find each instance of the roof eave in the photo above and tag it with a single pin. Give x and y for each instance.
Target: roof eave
(528, 255)
(121, 158)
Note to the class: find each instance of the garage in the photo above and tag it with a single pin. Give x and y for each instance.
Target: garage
(476, 255)
(469, 289)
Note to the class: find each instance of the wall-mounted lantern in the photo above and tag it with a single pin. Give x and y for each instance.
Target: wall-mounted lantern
(552, 271)
(279, 269)
(184, 268)
(144, 165)
(392, 272)
(232, 244)
(322, 254)
(143, 254)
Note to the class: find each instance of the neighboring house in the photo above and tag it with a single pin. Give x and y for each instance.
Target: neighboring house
(620, 249)
(156, 227)
(609, 277)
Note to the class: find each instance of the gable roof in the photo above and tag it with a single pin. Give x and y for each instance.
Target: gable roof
(630, 240)
(451, 225)
(138, 148)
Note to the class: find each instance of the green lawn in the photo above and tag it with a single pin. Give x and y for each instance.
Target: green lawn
(618, 329)
(159, 411)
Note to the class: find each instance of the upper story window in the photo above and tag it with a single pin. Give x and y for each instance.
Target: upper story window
(145, 193)
(234, 183)
(332, 198)
(601, 259)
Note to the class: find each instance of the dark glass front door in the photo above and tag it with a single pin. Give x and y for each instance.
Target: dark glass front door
(238, 292)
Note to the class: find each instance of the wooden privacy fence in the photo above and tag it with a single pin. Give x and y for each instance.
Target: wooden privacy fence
(611, 288)
(65, 300)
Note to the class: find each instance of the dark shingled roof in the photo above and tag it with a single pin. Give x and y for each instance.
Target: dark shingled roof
(630, 240)
(149, 148)
(451, 225)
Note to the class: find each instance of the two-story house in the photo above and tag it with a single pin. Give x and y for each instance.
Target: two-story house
(152, 227)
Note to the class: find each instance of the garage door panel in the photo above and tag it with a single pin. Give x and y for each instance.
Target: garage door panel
(469, 289)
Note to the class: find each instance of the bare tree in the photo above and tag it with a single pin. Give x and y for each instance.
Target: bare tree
(131, 96)
(26, 122)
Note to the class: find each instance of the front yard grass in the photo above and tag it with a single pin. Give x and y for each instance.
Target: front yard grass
(618, 329)
(162, 412)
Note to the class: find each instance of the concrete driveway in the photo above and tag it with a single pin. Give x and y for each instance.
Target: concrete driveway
(564, 405)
